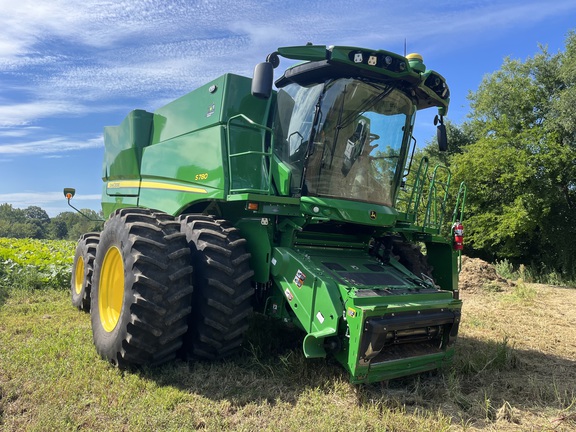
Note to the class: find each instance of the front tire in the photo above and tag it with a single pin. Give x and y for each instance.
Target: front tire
(222, 300)
(411, 257)
(83, 269)
(141, 289)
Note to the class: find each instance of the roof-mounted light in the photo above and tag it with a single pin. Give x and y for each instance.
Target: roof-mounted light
(437, 84)
(378, 60)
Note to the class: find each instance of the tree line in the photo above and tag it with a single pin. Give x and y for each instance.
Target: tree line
(34, 222)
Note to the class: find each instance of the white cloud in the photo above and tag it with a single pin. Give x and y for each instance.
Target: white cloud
(487, 18)
(50, 145)
(7, 132)
(69, 54)
(23, 113)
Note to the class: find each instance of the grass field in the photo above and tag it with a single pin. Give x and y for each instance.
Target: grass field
(515, 369)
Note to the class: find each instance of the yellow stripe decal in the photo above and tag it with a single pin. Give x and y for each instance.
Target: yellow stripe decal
(154, 185)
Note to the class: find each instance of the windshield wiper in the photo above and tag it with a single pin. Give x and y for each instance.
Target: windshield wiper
(338, 127)
(310, 146)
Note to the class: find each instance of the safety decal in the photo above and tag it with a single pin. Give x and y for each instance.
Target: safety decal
(351, 312)
(299, 279)
(320, 317)
(288, 294)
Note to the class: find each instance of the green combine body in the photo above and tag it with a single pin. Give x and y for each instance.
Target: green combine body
(235, 199)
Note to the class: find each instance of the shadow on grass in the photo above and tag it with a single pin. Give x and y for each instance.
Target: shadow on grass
(270, 367)
(489, 381)
(484, 377)
(3, 293)
(3, 284)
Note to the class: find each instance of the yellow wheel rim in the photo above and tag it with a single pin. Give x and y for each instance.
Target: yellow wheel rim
(111, 289)
(79, 276)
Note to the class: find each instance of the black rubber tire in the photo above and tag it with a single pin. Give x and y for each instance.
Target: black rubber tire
(411, 257)
(223, 292)
(157, 289)
(83, 268)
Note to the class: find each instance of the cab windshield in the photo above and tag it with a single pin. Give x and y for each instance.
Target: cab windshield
(343, 139)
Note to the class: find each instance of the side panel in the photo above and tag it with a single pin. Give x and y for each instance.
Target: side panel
(111, 202)
(188, 159)
(124, 144)
(313, 297)
(196, 110)
(258, 234)
(213, 103)
(184, 169)
(444, 262)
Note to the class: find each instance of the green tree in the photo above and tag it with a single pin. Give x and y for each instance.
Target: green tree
(34, 222)
(58, 229)
(39, 219)
(11, 214)
(76, 224)
(519, 163)
(15, 224)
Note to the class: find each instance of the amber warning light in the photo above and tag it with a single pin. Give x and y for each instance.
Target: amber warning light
(69, 193)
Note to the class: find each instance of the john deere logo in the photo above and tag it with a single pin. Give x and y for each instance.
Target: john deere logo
(372, 214)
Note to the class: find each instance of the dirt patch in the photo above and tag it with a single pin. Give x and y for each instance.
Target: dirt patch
(516, 352)
(477, 274)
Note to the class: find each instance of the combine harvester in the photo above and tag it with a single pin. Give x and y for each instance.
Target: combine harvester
(294, 203)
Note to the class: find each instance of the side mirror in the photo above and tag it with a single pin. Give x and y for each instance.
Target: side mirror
(442, 138)
(262, 80)
(441, 133)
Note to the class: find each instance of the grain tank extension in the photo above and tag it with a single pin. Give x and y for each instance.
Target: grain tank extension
(294, 202)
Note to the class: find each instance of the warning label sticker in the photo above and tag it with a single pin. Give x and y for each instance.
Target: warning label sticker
(299, 279)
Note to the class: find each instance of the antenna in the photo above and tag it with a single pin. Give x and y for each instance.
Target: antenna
(404, 47)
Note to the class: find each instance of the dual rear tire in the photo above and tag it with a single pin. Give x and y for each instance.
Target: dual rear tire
(83, 269)
(141, 290)
(159, 287)
(223, 292)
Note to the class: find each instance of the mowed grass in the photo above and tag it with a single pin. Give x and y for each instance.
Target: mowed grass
(515, 369)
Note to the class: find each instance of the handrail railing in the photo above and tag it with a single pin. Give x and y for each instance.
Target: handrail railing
(436, 205)
(426, 199)
(458, 213)
(412, 203)
(266, 186)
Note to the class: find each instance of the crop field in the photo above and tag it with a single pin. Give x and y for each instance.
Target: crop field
(30, 263)
(514, 369)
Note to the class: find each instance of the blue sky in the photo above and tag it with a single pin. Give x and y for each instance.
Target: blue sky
(68, 68)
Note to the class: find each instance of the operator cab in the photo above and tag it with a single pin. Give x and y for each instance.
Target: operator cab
(344, 138)
(344, 119)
